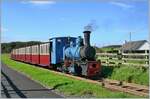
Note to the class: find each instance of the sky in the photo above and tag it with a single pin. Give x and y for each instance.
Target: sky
(40, 20)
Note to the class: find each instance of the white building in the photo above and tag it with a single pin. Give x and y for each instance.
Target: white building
(142, 45)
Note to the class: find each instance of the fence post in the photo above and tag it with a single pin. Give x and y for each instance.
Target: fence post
(107, 60)
(146, 57)
(119, 56)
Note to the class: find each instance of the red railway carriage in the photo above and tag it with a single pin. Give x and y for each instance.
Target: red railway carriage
(22, 54)
(28, 58)
(19, 51)
(44, 54)
(17, 54)
(12, 54)
(35, 55)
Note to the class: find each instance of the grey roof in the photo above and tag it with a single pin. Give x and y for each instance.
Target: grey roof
(133, 45)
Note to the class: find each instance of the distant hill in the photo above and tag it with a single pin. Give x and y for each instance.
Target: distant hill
(7, 47)
(109, 48)
(112, 46)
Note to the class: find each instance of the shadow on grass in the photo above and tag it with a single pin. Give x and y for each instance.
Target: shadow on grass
(59, 85)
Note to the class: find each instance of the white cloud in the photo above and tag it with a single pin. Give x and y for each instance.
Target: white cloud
(122, 5)
(39, 2)
(3, 29)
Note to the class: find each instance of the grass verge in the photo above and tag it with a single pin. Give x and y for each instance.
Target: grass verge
(130, 74)
(68, 86)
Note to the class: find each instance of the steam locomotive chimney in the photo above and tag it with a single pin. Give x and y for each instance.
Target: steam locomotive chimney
(87, 38)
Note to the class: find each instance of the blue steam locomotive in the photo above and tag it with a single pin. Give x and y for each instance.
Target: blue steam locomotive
(75, 55)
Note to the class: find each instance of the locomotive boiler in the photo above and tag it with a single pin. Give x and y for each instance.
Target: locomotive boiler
(79, 50)
(79, 57)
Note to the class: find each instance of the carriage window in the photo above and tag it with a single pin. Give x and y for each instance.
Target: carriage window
(41, 50)
(59, 40)
(28, 50)
(35, 50)
(46, 49)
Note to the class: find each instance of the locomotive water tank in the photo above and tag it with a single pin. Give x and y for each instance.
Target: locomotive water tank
(73, 51)
(79, 51)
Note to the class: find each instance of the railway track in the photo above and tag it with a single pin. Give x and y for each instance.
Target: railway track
(131, 88)
(135, 89)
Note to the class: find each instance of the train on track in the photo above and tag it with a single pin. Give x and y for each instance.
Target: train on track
(67, 54)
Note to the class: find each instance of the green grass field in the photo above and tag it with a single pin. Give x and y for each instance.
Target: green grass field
(108, 49)
(130, 74)
(68, 86)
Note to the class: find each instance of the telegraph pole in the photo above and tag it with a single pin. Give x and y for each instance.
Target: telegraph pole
(130, 36)
(130, 41)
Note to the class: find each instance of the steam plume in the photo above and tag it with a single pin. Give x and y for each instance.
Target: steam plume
(92, 26)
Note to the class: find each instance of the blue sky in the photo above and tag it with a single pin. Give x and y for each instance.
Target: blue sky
(39, 20)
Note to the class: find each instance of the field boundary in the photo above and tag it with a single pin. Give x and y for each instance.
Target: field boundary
(126, 59)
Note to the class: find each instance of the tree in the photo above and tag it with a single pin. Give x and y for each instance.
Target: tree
(7, 47)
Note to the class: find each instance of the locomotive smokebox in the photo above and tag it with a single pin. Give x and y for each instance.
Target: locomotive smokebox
(87, 51)
(87, 38)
